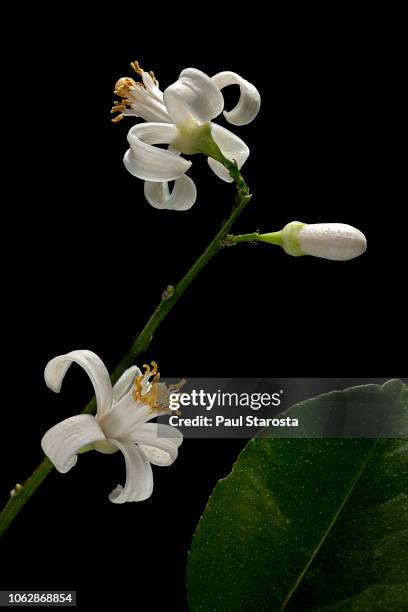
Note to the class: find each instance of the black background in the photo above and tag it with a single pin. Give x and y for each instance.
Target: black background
(85, 259)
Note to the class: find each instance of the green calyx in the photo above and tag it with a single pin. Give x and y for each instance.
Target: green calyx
(272, 238)
(194, 138)
(290, 241)
(287, 238)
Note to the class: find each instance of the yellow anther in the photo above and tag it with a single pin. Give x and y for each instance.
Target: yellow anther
(153, 77)
(137, 391)
(117, 118)
(123, 89)
(157, 395)
(120, 106)
(151, 396)
(135, 66)
(147, 369)
(178, 385)
(155, 368)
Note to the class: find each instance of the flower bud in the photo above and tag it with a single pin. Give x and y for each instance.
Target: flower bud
(335, 241)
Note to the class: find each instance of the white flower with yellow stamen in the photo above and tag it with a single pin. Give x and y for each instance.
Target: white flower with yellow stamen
(180, 117)
(121, 423)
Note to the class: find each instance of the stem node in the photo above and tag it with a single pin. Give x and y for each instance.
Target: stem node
(168, 292)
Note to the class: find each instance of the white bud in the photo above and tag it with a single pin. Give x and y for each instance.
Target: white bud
(335, 241)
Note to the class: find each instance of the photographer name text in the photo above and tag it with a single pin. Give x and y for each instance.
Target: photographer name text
(239, 421)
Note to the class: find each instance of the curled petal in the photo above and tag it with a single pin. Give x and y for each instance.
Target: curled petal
(231, 146)
(194, 97)
(62, 442)
(139, 477)
(152, 163)
(126, 381)
(125, 418)
(158, 454)
(56, 369)
(159, 442)
(182, 196)
(249, 101)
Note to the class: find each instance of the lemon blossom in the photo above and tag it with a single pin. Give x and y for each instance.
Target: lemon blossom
(121, 423)
(181, 117)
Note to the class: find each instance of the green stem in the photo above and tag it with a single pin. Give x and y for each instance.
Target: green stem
(21, 497)
(230, 239)
(272, 238)
(169, 298)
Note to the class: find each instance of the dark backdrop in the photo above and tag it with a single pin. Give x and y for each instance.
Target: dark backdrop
(86, 258)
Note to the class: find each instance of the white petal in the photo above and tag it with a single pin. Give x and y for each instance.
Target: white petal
(157, 455)
(152, 163)
(125, 416)
(219, 170)
(126, 381)
(336, 241)
(166, 432)
(231, 146)
(159, 442)
(151, 87)
(62, 442)
(139, 477)
(194, 97)
(182, 196)
(249, 101)
(57, 368)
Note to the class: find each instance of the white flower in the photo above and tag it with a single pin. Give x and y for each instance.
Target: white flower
(336, 241)
(181, 118)
(120, 423)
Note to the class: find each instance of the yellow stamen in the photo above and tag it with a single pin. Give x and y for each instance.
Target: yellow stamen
(158, 394)
(155, 368)
(123, 89)
(178, 385)
(120, 106)
(117, 118)
(137, 391)
(155, 81)
(135, 66)
(147, 368)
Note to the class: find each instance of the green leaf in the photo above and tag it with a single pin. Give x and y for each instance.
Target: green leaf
(308, 523)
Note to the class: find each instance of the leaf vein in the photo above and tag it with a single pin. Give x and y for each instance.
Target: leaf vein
(329, 528)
